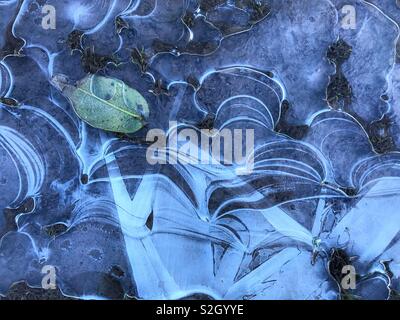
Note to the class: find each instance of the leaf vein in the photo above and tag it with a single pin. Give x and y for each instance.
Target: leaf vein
(110, 104)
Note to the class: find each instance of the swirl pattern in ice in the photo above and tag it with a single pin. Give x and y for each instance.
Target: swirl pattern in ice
(323, 100)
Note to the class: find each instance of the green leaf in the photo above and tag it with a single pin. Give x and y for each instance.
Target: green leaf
(107, 103)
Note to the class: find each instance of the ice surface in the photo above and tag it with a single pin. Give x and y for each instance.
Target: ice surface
(325, 185)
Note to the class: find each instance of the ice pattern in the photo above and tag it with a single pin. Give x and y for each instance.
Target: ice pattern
(322, 97)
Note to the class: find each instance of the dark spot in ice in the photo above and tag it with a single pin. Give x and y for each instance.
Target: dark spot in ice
(84, 179)
(140, 58)
(9, 102)
(192, 80)
(198, 48)
(339, 52)
(55, 229)
(149, 222)
(207, 123)
(92, 62)
(96, 254)
(120, 24)
(188, 19)
(339, 92)
(74, 40)
(269, 74)
(258, 10)
(161, 46)
(160, 88)
(385, 97)
(117, 271)
(285, 105)
(351, 192)
(380, 135)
